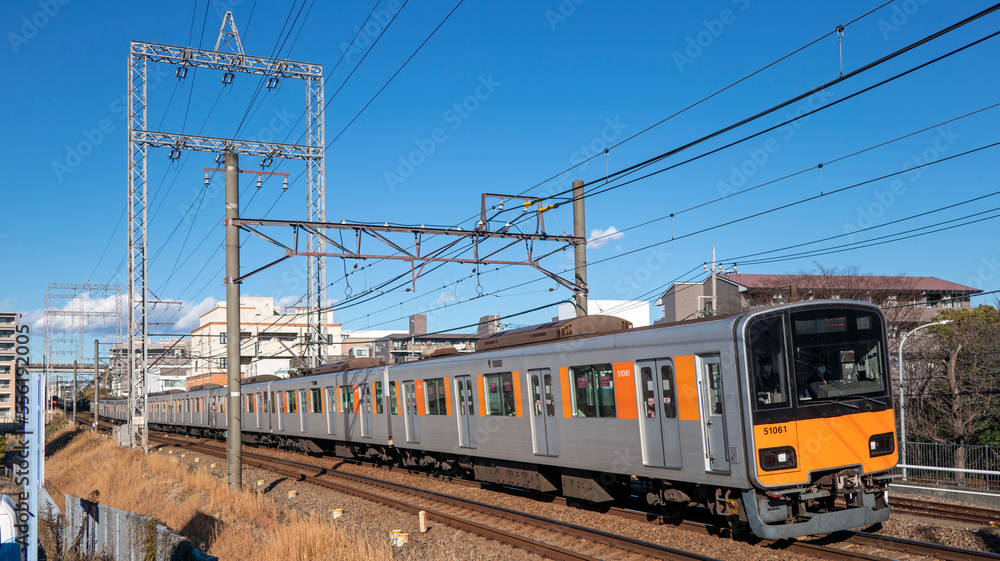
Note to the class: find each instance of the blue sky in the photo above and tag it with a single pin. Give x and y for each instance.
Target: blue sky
(503, 97)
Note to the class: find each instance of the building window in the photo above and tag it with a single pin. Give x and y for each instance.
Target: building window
(223, 363)
(315, 401)
(4, 370)
(5, 398)
(593, 392)
(499, 394)
(436, 401)
(360, 352)
(347, 399)
(4, 412)
(222, 338)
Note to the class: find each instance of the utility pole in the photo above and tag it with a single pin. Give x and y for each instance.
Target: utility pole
(716, 269)
(97, 386)
(233, 436)
(580, 251)
(74, 393)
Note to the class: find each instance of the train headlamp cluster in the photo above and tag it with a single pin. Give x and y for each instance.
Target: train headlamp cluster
(781, 457)
(881, 444)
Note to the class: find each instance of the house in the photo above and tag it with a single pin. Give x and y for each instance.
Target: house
(906, 300)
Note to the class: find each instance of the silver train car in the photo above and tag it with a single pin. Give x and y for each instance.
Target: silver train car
(780, 420)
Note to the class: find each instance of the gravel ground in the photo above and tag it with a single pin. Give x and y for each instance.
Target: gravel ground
(440, 542)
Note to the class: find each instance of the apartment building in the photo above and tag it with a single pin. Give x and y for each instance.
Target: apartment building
(9, 324)
(168, 362)
(272, 341)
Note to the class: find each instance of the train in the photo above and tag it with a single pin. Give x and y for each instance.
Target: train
(780, 421)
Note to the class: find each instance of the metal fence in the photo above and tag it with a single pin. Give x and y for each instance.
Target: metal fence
(936, 464)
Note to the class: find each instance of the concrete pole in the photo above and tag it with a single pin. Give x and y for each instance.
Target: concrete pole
(580, 252)
(74, 394)
(233, 437)
(715, 301)
(97, 385)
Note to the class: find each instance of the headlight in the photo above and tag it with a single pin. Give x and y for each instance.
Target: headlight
(782, 457)
(881, 444)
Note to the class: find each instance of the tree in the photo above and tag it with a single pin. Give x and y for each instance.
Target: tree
(958, 390)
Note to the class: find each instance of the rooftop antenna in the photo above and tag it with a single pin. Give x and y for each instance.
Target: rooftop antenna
(229, 38)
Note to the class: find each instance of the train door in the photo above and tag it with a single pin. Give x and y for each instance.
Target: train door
(466, 412)
(661, 435)
(258, 401)
(544, 439)
(331, 410)
(213, 406)
(366, 410)
(410, 411)
(709, 373)
(303, 410)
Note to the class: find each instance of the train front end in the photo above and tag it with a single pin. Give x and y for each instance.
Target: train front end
(820, 418)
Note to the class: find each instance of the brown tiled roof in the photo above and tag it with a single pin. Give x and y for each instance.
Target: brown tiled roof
(921, 284)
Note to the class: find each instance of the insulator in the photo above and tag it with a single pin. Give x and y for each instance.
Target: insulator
(175, 154)
(284, 185)
(258, 181)
(272, 83)
(227, 78)
(207, 180)
(181, 72)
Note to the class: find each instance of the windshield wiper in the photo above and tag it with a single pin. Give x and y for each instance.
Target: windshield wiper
(839, 402)
(871, 399)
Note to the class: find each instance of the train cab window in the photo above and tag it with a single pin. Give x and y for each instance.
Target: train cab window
(839, 355)
(593, 392)
(315, 401)
(347, 399)
(436, 401)
(769, 376)
(393, 399)
(499, 390)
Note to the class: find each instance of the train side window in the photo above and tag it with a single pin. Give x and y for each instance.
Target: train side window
(393, 397)
(222, 404)
(769, 376)
(293, 404)
(315, 401)
(378, 398)
(435, 398)
(594, 391)
(499, 390)
(347, 399)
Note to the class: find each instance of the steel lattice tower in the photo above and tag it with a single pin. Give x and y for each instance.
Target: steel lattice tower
(140, 139)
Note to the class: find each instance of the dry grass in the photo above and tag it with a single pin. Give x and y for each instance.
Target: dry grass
(199, 506)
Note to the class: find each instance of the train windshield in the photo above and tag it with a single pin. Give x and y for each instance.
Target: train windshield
(817, 356)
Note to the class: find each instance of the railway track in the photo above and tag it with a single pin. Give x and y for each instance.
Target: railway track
(557, 540)
(552, 539)
(932, 509)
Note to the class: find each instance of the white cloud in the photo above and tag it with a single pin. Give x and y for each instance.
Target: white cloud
(446, 298)
(598, 238)
(191, 313)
